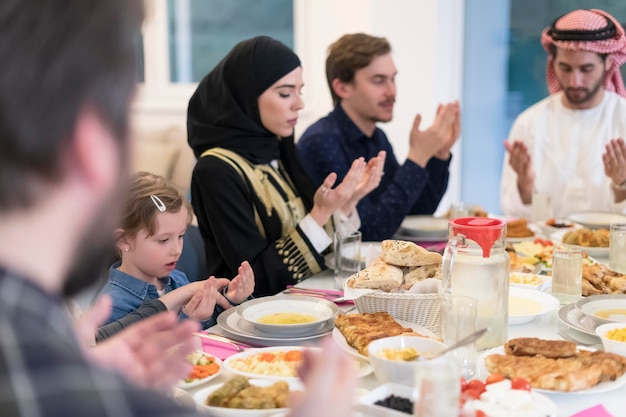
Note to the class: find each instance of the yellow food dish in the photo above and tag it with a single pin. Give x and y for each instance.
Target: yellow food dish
(525, 279)
(287, 318)
(617, 334)
(519, 306)
(403, 354)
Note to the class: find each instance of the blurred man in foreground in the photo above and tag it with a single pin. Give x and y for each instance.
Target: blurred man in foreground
(66, 83)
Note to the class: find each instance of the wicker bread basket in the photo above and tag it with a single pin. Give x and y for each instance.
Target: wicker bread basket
(421, 309)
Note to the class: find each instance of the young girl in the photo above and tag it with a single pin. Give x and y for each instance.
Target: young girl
(150, 241)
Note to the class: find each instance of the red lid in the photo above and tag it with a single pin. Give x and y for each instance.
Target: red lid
(482, 230)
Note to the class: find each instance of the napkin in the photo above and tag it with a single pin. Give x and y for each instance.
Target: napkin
(218, 348)
(597, 411)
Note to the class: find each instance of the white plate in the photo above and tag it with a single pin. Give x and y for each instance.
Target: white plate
(546, 301)
(341, 341)
(323, 310)
(597, 252)
(228, 363)
(201, 396)
(601, 387)
(197, 382)
(589, 306)
(548, 230)
(545, 281)
(425, 227)
(421, 239)
(573, 318)
(597, 219)
(231, 322)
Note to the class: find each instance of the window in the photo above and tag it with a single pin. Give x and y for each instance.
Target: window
(201, 32)
(183, 40)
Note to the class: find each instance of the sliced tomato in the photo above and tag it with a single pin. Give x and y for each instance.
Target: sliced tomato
(494, 378)
(520, 383)
(480, 413)
(477, 385)
(471, 394)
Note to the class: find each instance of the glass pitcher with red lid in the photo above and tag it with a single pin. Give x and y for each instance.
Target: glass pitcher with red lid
(475, 264)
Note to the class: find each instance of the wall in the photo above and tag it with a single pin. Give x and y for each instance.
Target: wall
(427, 39)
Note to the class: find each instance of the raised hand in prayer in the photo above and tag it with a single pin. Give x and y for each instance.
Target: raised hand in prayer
(614, 159)
(453, 134)
(151, 353)
(330, 380)
(521, 162)
(240, 287)
(202, 304)
(369, 181)
(438, 138)
(327, 200)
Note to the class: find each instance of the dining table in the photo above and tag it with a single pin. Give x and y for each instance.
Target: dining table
(546, 326)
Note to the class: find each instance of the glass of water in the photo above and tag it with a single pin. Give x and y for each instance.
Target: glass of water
(617, 248)
(567, 274)
(437, 387)
(541, 207)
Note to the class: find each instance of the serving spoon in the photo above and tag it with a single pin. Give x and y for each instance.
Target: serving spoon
(465, 341)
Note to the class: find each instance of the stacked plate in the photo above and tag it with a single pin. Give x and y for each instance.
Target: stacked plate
(279, 320)
(588, 313)
(424, 228)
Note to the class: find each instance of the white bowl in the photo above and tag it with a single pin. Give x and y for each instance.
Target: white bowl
(201, 396)
(529, 281)
(399, 372)
(532, 303)
(610, 345)
(593, 305)
(322, 310)
(367, 403)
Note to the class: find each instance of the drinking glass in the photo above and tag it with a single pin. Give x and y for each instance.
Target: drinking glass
(437, 387)
(458, 320)
(567, 274)
(347, 256)
(460, 210)
(541, 207)
(617, 248)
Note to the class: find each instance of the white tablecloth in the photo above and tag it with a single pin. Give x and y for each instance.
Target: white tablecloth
(544, 327)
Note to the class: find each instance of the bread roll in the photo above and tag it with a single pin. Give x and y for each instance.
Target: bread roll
(403, 253)
(378, 276)
(420, 273)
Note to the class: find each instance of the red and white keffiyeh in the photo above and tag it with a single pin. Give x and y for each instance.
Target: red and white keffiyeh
(591, 30)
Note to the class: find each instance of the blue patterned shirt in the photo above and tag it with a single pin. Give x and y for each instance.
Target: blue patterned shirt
(333, 142)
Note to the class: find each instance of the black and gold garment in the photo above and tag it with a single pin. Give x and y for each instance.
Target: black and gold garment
(246, 208)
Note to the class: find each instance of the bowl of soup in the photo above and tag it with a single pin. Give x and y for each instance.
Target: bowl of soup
(603, 309)
(288, 315)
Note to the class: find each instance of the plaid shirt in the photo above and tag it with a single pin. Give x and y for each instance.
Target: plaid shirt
(43, 372)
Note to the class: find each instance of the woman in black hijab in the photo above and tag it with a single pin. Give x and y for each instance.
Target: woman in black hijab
(249, 192)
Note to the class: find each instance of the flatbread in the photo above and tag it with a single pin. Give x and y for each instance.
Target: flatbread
(404, 253)
(420, 273)
(378, 276)
(361, 329)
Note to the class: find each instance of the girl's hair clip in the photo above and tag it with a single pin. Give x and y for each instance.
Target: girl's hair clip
(158, 203)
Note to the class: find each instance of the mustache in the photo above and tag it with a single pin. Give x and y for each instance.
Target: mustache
(388, 101)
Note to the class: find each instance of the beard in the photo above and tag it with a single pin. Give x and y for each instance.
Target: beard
(588, 95)
(96, 249)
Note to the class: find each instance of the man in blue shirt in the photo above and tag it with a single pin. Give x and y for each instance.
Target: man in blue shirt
(361, 77)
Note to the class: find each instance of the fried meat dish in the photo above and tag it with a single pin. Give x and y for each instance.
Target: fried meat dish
(537, 360)
(361, 329)
(599, 279)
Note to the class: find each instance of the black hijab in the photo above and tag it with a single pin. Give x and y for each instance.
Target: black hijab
(223, 112)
